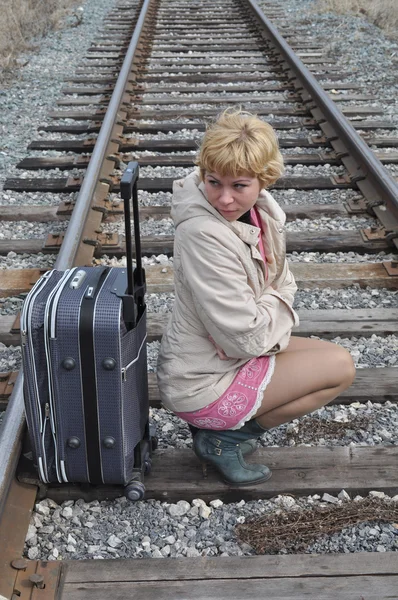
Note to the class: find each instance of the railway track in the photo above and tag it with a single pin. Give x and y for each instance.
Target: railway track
(147, 86)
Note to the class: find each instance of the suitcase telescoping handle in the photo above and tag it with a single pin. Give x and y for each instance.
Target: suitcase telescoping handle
(128, 190)
(136, 280)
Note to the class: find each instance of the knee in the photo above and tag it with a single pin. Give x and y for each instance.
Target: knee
(345, 367)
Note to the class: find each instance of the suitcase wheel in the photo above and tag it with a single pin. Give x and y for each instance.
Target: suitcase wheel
(134, 491)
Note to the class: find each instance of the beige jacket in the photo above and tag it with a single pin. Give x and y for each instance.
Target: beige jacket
(221, 290)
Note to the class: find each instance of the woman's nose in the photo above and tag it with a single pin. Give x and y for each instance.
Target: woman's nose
(226, 197)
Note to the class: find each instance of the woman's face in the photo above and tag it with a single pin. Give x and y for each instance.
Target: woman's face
(231, 196)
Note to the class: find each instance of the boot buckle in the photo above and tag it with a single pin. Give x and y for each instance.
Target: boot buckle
(218, 451)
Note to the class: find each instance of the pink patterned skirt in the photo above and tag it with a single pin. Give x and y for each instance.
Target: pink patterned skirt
(240, 401)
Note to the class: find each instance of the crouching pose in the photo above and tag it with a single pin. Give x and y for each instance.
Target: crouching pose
(228, 364)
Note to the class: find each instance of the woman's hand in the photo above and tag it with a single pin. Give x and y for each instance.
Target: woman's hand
(220, 352)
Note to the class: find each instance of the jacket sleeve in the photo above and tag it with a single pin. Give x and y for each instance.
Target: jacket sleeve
(285, 285)
(224, 300)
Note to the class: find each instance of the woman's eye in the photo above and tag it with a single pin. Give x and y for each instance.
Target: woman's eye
(212, 182)
(239, 185)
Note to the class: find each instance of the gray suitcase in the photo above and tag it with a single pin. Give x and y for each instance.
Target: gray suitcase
(85, 370)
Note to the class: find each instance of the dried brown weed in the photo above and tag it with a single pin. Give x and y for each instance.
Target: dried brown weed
(294, 530)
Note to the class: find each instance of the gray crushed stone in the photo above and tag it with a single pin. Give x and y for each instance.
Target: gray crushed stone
(159, 227)
(322, 298)
(379, 427)
(30, 230)
(296, 170)
(27, 261)
(24, 105)
(319, 298)
(119, 529)
(34, 198)
(364, 52)
(284, 197)
(339, 257)
(11, 305)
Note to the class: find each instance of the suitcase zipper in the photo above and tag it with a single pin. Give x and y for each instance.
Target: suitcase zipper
(89, 381)
(49, 329)
(27, 344)
(125, 369)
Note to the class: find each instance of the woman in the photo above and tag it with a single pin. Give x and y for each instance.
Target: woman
(228, 364)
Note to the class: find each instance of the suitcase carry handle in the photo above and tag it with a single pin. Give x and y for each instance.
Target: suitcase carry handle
(136, 280)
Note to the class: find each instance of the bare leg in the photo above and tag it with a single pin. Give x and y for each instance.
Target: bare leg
(308, 374)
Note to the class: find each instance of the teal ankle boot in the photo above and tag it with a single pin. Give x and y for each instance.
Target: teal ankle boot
(255, 430)
(222, 450)
(247, 447)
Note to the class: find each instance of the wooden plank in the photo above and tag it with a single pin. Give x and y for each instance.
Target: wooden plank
(182, 160)
(208, 112)
(324, 323)
(39, 213)
(92, 127)
(168, 145)
(345, 322)
(371, 588)
(188, 99)
(192, 47)
(311, 241)
(78, 146)
(164, 184)
(342, 275)
(147, 77)
(165, 126)
(239, 87)
(231, 567)
(295, 470)
(18, 281)
(292, 211)
(160, 278)
(63, 163)
(7, 382)
(21, 246)
(187, 160)
(43, 214)
(192, 112)
(8, 337)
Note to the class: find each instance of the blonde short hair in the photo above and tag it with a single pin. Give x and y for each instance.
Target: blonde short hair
(240, 142)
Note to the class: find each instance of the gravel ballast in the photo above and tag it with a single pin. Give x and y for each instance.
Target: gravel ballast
(157, 529)
(25, 104)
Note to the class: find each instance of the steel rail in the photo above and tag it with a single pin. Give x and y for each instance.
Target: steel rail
(14, 418)
(385, 185)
